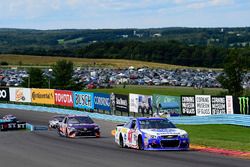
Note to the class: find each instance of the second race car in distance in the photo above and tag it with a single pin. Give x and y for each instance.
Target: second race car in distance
(10, 122)
(55, 121)
(151, 134)
(78, 125)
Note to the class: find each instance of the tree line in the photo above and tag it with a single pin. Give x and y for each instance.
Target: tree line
(170, 52)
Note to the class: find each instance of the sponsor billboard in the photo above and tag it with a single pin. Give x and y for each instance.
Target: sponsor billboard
(167, 105)
(188, 105)
(218, 105)
(43, 96)
(121, 103)
(229, 104)
(64, 98)
(140, 103)
(102, 101)
(20, 95)
(241, 105)
(4, 94)
(203, 105)
(84, 100)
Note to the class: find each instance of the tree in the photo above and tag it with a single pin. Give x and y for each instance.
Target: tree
(233, 73)
(35, 79)
(62, 74)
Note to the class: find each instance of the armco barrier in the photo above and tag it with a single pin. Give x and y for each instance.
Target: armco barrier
(233, 119)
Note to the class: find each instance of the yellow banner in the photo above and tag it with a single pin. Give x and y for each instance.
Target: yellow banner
(43, 96)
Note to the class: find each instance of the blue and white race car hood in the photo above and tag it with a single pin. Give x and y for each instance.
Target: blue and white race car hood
(160, 132)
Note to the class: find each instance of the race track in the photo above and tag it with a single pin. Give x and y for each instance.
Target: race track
(47, 149)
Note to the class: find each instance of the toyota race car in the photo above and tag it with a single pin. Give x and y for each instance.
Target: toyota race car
(55, 121)
(151, 134)
(10, 122)
(73, 126)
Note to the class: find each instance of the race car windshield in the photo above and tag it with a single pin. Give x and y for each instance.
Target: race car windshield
(59, 118)
(155, 124)
(80, 120)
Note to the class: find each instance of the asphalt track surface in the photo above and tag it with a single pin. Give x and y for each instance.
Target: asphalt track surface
(47, 149)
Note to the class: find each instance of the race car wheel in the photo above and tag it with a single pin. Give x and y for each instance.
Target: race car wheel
(121, 143)
(60, 133)
(140, 143)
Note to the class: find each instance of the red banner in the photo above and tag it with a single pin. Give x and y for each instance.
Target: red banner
(64, 98)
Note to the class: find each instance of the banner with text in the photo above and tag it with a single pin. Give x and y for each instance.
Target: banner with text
(188, 105)
(218, 105)
(102, 101)
(4, 94)
(20, 95)
(121, 103)
(64, 98)
(140, 103)
(43, 96)
(84, 100)
(203, 105)
(241, 105)
(168, 105)
(229, 104)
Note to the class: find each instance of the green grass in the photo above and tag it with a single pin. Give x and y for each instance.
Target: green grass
(219, 136)
(163, 90)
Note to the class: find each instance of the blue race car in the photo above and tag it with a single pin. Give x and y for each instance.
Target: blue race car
(151, 134)
(10, 122)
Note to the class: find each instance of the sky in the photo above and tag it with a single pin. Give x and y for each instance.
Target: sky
(99, 14)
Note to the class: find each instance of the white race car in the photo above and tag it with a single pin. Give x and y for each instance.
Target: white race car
(151, 134)
(55, 121)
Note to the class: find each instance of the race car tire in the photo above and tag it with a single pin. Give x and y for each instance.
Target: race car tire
(140, 143)
(121, 142)
(97, 135)
(60, 133)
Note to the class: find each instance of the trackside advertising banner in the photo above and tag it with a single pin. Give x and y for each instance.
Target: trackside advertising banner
(188, 105)
(229, 104)
(241, 105)
(121, 103)
(84, 100)
(169, 105)
(43, 96)
(203, 105)
(4, 94)
(140, 103)
(218, 105)
(102, 101)
(20, 95)
(64, 98)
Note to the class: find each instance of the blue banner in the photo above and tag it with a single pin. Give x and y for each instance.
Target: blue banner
(84, 100)
(102, 101)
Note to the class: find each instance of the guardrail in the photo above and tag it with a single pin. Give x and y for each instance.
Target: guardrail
(232, 119)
